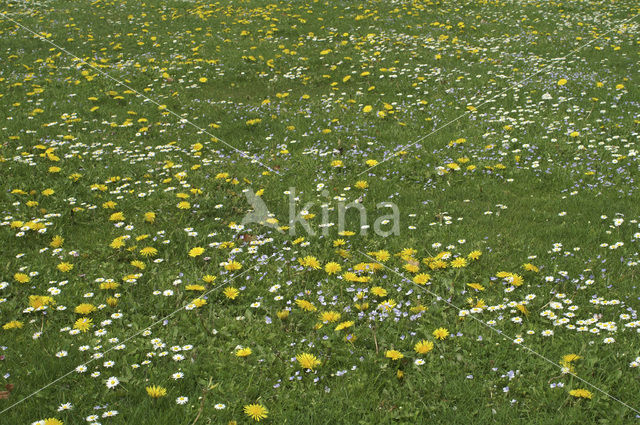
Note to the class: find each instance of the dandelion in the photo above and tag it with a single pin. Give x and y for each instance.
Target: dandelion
(56, 242)
(21, 277)
(421, 279)
(243, 352)
(14, 324)
(458, 263)
(156, 391)
(208, 278)
(305, 305)
(282, 314)
(378, 291)
(65, 267)
(232, 266)
(344, 325)
(231, 293)
(332, 268)
(423, 347)
(116, 216)
(307, 361)
(474, 255)
(138, 264)
(150, 217)
(581, 393)
(85, 308)
(194, 252)
(83, 324)
(309, 261)
(393, 354)
(148, 251)
(256, 411)
(440, 333)
(329, 316)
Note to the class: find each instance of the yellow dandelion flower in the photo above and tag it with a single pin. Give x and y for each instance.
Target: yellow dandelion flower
(422, 278)
(379, 291)
(329, 316)
(305, 305)
(339, 242)
(474, 255)
(109, 285)
(116, 216)
(148, 251)
(256, 411)
(344, 325)
(308, 361)
(85, 308)
(568, 358)
(117, 243)
(22, 277)
(138, 264)
(423, 347)
(208, 278)
(232, 266)
(394, 354)
(14, 324)
(65, 267)
(150, 217)
(83, 324)
(458, 263)
(194, 252)
(309, 261)
(56, 242)
(332, 268)
(243, 352)
(581, 393)
(199, 302)
(282, 314)
(440, 333)
(476, 286)
(194, 288)
(231, 293)
(155, 391)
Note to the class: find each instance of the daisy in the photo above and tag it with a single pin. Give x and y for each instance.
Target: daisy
(112, 382)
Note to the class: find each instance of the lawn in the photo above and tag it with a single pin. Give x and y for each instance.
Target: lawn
(318, 212)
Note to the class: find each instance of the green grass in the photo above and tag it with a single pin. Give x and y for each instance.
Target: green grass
(543, 177)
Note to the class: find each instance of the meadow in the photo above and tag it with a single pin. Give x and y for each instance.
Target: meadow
(503, 136)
